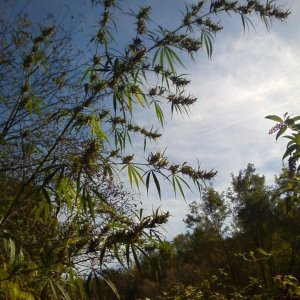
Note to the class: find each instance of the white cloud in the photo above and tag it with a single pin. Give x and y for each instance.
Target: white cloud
(248, 78)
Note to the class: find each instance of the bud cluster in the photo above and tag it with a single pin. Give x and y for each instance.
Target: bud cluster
(277, 127)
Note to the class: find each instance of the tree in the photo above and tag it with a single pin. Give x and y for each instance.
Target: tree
(65, 128)
(290, 177)
(239, 244)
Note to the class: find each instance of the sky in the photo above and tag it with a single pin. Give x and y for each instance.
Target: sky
(251, 74)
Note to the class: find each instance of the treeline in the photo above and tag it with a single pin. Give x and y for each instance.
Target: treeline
(242, 243)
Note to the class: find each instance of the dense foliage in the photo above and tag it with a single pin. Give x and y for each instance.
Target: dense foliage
(240, 244)
(66, 121)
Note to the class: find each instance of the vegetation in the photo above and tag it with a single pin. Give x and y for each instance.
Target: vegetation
(240, 244)
(66, 124)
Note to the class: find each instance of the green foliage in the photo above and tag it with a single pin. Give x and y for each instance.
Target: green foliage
(67, 123)
(290, 179)
(288, 286)
(237, 243)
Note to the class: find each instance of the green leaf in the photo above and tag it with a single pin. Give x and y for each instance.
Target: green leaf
(129, 102)
(53, 289)
(100, 196)
(295, 119)
(62, 291)
(10, 248)
(280, 132)
(3, 100)
(169, 59)
(44, 208)
(98, 284)
(102, 253)
(159, 113)
(134, 174)
(175, 56)
(274, 118)
(129, 174)
(157, 184)
(155, 56)
(86, 72)
(180, 187)
(161, 57)
(127, 254)
(289, 137)
(206, 39)
(136, 259)
(263, 252)
(147, 181)
(289, 151)
(174, 185)
(297, 139)
(117, 255)
(96, 130)
(112, 286)
(91, 206)
(51, 175)
(139, 95)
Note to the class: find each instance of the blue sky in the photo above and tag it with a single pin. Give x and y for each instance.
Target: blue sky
(250, 75)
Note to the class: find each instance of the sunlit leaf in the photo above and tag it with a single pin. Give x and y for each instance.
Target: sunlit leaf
(159, 113)
(112, 286)
(274, 118)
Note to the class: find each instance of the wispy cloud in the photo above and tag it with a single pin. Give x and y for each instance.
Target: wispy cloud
(248, 78)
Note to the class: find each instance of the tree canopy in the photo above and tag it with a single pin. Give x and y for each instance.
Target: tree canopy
(242, 243)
